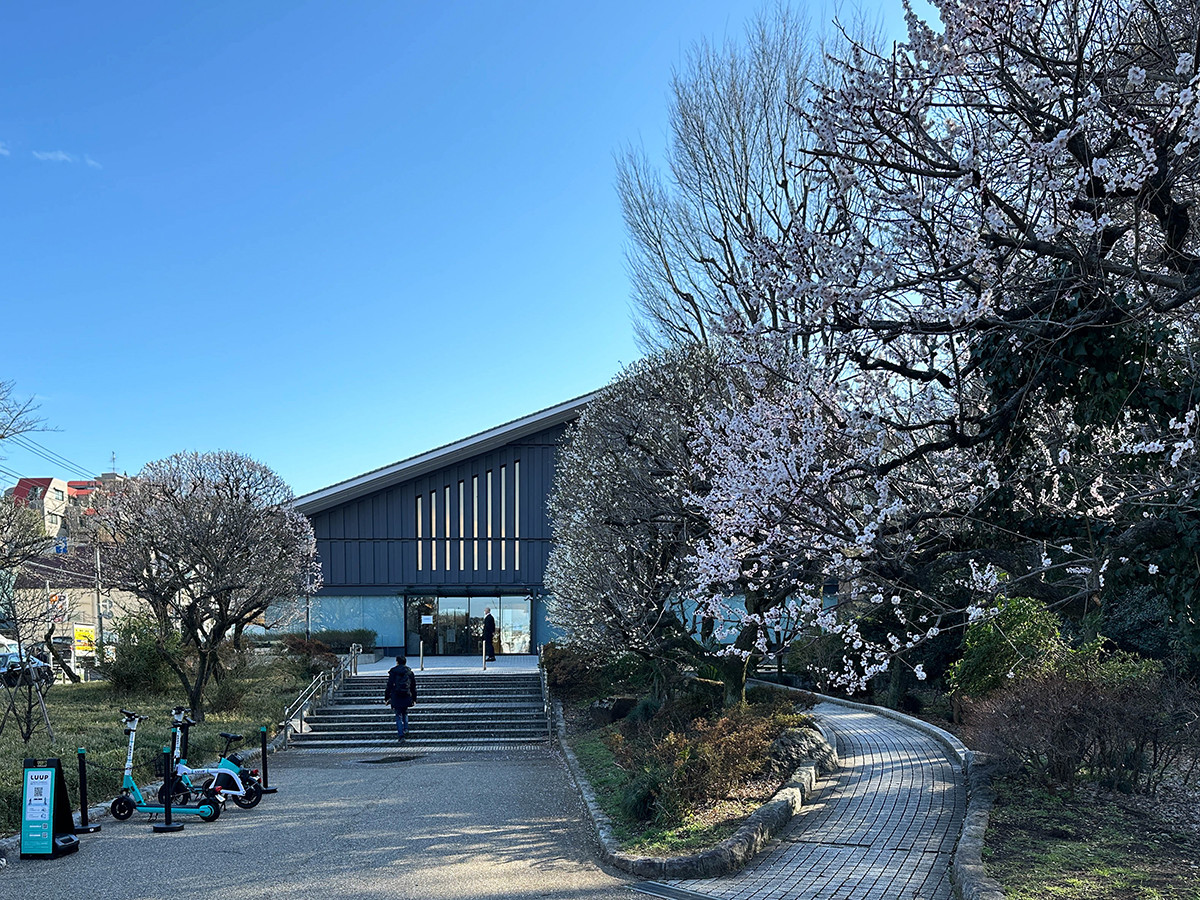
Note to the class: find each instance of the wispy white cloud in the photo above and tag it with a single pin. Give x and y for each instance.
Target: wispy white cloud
(4, 151)
(53, 156)
(91, 162)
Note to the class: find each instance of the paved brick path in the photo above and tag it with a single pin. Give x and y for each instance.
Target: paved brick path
(882, 828)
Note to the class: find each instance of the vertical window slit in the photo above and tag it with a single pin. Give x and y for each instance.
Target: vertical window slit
(420, 536)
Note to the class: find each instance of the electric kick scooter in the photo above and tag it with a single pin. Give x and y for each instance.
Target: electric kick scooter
(131, 799)
(226, 780)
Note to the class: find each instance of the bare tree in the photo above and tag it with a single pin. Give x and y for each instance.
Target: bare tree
(16, 416)
(730, 189)
(22, 540)
(212, 543)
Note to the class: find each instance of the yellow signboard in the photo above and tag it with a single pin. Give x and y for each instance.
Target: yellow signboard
(85, 640)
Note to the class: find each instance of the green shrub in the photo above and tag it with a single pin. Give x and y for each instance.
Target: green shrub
(226, 695)
(140, 662)
(642, 714)
(1022, 638)
(1093, 714)
(676, 769)
(628, 673)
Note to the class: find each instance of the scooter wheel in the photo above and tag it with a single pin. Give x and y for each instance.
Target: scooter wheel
(122, 808)
(214, 806)
(179, 798)
(250, 798)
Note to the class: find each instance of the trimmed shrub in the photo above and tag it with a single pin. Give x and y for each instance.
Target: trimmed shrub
(571, 674)
(339, 640)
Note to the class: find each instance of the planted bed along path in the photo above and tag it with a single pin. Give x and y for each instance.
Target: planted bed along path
(883, 827)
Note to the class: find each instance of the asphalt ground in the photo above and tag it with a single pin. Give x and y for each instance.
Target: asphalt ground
(442, 826)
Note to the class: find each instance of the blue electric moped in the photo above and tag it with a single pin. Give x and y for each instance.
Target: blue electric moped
(226, 780)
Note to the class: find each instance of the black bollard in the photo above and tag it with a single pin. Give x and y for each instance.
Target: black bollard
(263, 733)
(83, 827)
(167, 825)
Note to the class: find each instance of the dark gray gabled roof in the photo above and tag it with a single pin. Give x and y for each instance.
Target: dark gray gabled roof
(415, 466)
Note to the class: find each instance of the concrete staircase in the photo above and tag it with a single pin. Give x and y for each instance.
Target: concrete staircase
(453, 712)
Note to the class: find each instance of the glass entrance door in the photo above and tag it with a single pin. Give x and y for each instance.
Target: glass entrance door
(420, 624)
(513, 625)
(453, 626)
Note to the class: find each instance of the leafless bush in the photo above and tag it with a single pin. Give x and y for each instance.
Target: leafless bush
(1127, 734)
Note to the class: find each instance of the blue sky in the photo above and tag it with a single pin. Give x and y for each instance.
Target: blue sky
(329, 235)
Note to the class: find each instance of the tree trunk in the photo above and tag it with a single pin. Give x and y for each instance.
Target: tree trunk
(196, 694)
(734, 668)
(67, 670)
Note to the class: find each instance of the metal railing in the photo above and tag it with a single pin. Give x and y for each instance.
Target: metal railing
(319, 692)
(545, 695)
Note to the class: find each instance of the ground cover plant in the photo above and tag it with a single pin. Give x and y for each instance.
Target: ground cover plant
(1086, 845)
(88, 715)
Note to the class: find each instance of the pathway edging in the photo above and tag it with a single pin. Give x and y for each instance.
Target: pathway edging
(968, 874)
(731, 854)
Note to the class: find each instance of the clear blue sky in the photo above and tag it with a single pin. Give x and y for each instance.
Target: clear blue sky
(330, 235)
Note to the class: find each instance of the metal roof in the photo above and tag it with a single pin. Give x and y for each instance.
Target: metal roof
(448, 455)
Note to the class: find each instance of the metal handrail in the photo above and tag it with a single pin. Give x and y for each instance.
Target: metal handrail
(319, 691)
(545, 694)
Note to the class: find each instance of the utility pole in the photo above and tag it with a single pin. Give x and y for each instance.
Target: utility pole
(99, 610)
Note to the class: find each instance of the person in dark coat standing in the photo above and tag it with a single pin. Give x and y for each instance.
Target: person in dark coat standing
(401, 693)
(489, 633)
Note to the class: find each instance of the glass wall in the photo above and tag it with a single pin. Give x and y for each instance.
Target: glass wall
(453, 626)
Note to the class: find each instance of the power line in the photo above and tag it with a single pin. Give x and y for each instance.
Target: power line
(17, 476)
(50, 456)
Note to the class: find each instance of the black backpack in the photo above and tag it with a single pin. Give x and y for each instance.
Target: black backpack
(400, 693)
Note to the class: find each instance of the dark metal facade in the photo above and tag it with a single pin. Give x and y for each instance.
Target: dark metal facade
(479, 525)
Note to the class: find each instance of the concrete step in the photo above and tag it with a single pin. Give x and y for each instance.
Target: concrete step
(454, 711)
(432, 728)
(353, 739)
(420, 744)
(427, 715)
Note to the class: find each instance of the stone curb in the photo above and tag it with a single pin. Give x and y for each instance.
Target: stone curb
(967, 871)
(731, 854)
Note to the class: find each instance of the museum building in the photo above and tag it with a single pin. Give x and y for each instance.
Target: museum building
(418, 549)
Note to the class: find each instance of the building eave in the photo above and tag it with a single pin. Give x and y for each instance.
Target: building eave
(440, 457)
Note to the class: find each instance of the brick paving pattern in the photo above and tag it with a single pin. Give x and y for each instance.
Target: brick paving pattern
(883, 827)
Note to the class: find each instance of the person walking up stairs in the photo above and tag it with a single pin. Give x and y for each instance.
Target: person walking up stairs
(401, 693)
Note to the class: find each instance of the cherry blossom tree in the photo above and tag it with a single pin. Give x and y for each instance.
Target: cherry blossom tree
(999, 311)
(212, 543)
